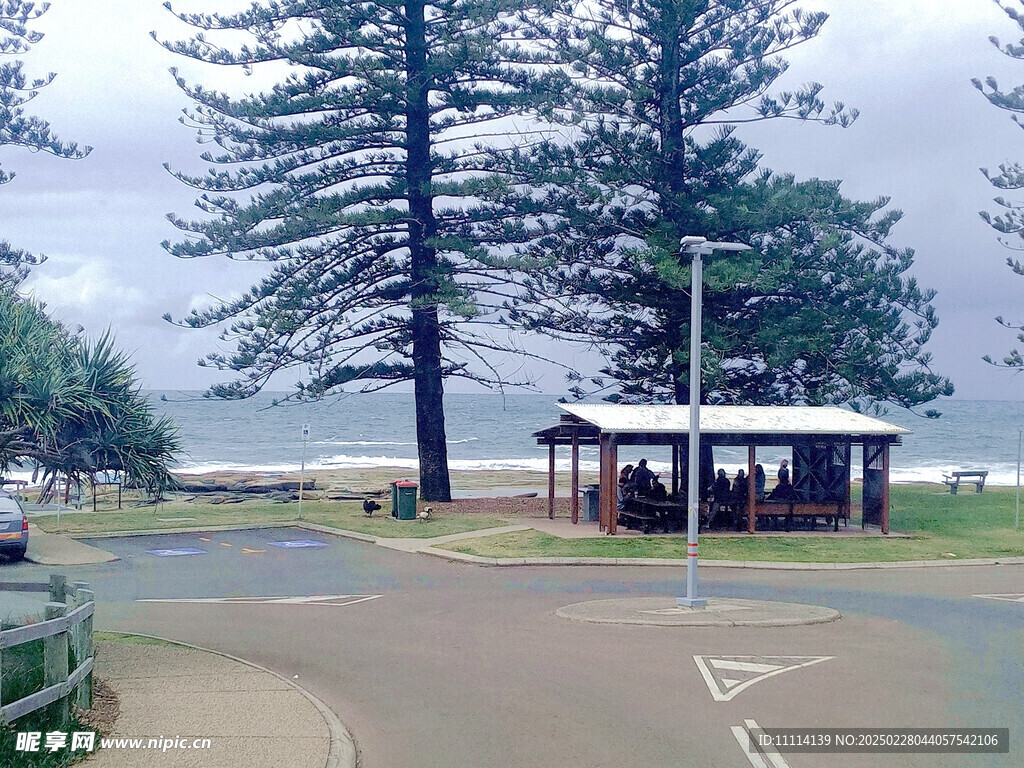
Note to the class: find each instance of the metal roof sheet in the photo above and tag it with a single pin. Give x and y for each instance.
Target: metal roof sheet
(732, 419)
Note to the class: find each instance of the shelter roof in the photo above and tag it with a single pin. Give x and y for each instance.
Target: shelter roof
(731, 419)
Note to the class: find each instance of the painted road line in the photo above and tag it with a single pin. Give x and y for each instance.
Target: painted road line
(250, 551)
(1012, 597)
(203, 538)
(224, 544)
(179, 552)
(761, 756)
(337, 601)
(297, 544)
(727, 676)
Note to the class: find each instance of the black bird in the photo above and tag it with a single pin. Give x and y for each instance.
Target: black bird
(369, 507)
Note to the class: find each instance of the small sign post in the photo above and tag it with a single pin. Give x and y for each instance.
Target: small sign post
(302, 467)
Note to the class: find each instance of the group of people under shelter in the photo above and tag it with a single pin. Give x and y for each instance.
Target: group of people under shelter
(726, 497)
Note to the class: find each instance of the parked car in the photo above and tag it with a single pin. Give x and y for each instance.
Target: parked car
(13, 527)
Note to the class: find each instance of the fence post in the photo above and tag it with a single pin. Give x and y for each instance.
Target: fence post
(83, 696)
(55, 659)
(58, 581)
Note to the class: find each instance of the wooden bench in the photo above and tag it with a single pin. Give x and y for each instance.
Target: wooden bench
(954, 479)
(833, 511)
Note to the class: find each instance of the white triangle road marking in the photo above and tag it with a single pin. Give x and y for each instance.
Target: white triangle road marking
(743, 666)
(1013, 597)
(757, 668)
(332, 600)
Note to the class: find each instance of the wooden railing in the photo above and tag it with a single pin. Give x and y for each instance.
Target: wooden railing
(68, 624)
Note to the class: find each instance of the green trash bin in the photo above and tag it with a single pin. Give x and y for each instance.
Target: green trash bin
(403, 500)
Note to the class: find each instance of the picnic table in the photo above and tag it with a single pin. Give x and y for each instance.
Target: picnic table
(644, 514)
(954, 479)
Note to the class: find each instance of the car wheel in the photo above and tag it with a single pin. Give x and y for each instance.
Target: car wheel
(17, 555)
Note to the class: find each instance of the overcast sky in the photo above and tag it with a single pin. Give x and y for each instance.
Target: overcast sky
(922, 135)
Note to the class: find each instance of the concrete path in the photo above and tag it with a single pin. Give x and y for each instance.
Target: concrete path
(252, 717)
(418, 545)
(53, 549)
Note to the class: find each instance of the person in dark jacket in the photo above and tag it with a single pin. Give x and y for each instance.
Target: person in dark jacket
(642, 478)
(759, 482)
(784, 472)
(721, 488)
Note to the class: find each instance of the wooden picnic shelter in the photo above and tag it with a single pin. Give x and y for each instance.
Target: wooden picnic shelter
(821, 438)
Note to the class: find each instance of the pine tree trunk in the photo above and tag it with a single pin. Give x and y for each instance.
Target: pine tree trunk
(426, 331)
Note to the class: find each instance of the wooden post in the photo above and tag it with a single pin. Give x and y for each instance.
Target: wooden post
(604, 492)
(751, 489)
(551, 480)
(613, 485)
(885, 487)
(575, 503)
(58, 584)
(83, 697)
(55, 663)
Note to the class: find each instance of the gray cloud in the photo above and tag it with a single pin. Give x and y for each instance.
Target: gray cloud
(907, 64)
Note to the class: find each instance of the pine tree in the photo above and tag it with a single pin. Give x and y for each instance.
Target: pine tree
(1010, 221)
(358, 179)
(16, 128)
(820, 311)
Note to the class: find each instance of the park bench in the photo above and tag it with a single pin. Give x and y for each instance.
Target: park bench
(954, 479)
(832, 511)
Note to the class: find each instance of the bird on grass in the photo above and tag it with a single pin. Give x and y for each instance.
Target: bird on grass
(425, 513)
(370, 506)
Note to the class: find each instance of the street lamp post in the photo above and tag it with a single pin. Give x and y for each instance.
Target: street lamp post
(697, 247)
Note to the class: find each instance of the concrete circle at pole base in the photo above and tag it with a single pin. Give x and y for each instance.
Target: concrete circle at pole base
(719, 612)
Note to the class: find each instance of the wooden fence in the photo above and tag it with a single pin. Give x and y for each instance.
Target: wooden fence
(68, 624)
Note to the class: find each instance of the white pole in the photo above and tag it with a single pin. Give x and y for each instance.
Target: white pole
(693, 468)
(302, 470)
(1020, 439)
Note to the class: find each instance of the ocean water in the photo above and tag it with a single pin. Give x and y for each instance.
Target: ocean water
(489, 431)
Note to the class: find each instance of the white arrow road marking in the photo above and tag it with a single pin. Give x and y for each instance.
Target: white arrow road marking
(727, 676)
(761, 757)
(1014, 597)
(335, 600)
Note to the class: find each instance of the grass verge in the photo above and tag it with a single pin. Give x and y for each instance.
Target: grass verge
(965, 526)
(348, 516)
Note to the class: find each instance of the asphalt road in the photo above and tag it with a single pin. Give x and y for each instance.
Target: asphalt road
(467, 667)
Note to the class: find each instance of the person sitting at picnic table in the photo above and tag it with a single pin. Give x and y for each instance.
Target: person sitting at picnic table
(783, 492)
(784, 472)
(740, 486)
(642, 478)
(759, 482)
(721, 488)
(658, 491)
(625, 487)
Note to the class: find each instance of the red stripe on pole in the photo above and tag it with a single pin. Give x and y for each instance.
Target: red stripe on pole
(691, 554)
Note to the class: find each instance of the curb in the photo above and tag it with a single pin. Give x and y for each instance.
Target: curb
(342, 753)
(765, 565)
(452, 556)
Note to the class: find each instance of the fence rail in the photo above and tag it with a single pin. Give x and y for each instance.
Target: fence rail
(68, 624)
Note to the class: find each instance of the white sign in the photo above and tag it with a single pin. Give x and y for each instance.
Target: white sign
(305, 431)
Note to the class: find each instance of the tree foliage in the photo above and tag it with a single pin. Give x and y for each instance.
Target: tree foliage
(358, 179)
(73, 407)
(17, 128)
(1009, 221)
(822, 310)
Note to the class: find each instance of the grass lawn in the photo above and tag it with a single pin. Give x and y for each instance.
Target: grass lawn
(348, 516)
(967, 525)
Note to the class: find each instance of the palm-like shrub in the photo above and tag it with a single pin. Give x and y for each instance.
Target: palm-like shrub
(73, 407)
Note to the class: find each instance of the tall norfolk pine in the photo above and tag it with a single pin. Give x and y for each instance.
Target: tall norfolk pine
(361, 189)
(821, 311)
(1010, 220)
(17, 128)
